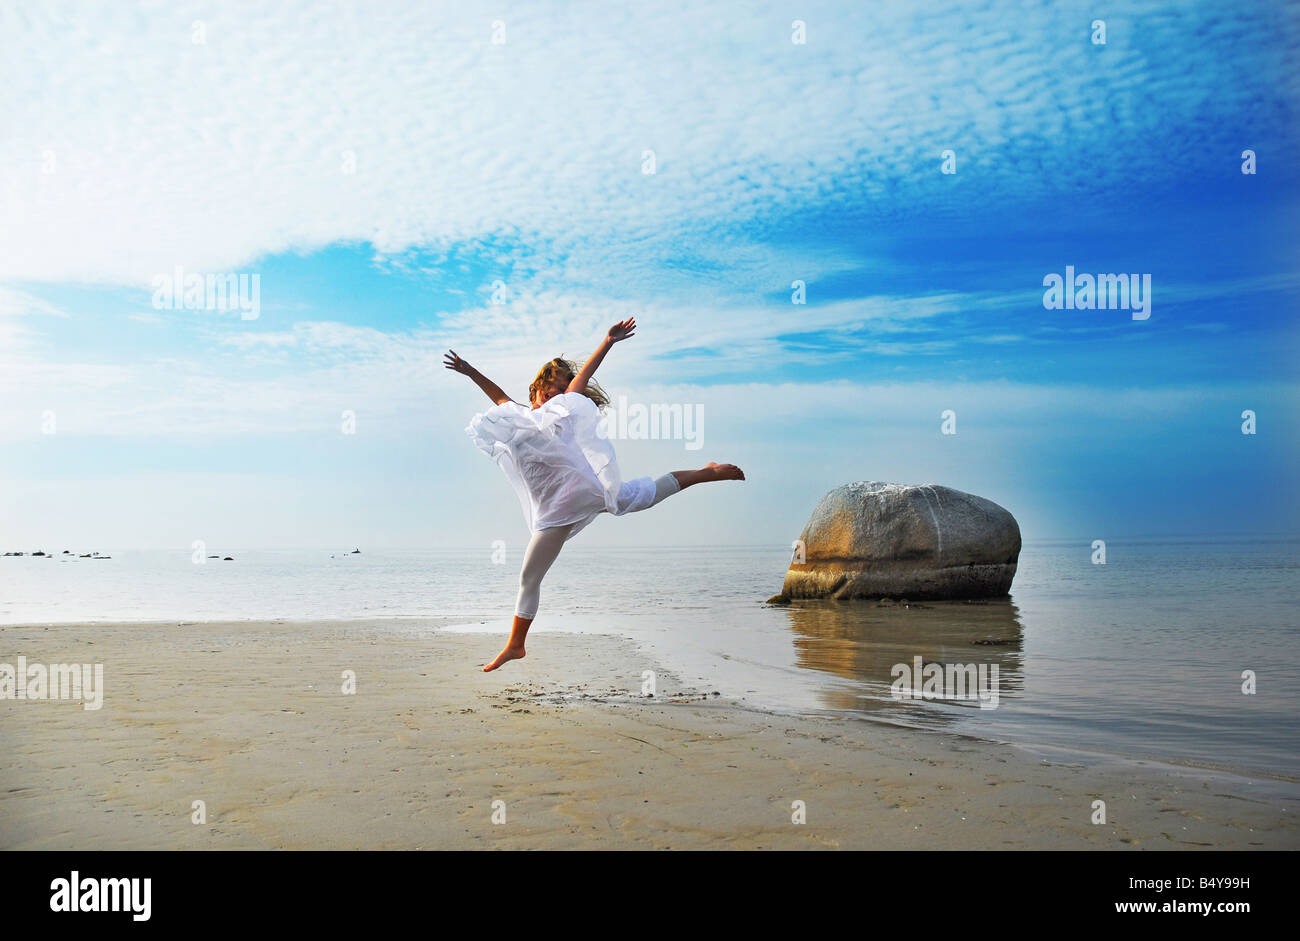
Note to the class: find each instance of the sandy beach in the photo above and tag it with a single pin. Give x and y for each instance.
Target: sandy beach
(251, 719)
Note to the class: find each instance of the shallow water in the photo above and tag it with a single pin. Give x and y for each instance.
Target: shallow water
(1140, 657)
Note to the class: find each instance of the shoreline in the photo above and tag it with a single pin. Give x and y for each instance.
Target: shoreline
(249, 717)
(469, 625)
(1073, 752)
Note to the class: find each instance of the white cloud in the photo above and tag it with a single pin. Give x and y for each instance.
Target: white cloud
(16, 303)
(160, 151)
(301, 380)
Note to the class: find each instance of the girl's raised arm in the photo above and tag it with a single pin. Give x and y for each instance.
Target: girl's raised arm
(620, 331)
(490, 388)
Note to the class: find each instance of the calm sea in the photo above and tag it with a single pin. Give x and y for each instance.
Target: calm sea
(1142, 657)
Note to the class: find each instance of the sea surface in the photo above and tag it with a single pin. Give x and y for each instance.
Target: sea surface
(1139, 658)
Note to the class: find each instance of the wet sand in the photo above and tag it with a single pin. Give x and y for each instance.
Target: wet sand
(250, 718)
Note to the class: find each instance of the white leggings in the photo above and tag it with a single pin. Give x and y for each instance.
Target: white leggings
(545, 546)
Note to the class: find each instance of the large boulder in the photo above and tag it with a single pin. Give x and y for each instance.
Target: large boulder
(877, 540)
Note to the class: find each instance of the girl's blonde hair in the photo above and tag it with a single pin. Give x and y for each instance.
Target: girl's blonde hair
(566, 370)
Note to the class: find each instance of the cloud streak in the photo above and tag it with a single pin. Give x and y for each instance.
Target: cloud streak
(131, 148)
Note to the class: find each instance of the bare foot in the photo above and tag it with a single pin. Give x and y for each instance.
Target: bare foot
(510, 653)
(724, 471)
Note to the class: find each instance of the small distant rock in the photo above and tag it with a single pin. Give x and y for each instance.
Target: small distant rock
(228, 559)
(214, 557)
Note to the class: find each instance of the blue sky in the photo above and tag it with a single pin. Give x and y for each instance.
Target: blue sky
(380, 172)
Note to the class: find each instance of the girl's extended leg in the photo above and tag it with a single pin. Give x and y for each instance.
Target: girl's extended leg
(545, 546)
(635, 495)
(710, 471)
(542, 551)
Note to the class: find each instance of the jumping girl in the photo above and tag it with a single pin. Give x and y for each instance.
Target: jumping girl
(561, 466)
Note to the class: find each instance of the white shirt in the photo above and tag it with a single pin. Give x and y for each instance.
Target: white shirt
(559, 461)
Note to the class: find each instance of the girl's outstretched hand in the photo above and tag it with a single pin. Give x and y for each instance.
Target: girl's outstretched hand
(454, 362)
(622, 330)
